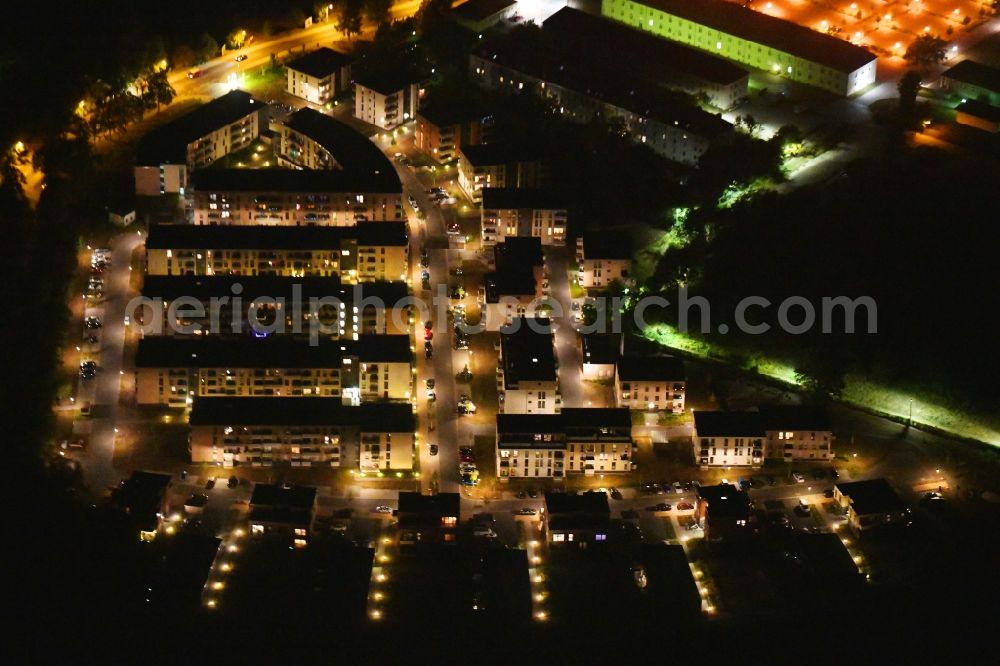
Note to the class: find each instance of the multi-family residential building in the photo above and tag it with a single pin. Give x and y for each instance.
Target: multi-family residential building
(512, 288)
(507, 213)
(223, 304)
(444, 127)
(428, 519)
(367, 252)
(144, 498)
(718, 81)
(283, 510)
(580, 520)
(478, 15)
(723, 511)
(870, 503)
(319, 75)
(504, 165)
(526, 374)
(741, 34)
(288, 197)
(980, 115)
(385, 101)
(166, 156)
(973, 81)
(798, 433)
(577, 440)
(601, 352)
(651, 383)
(174, 370)
(302, 432)
(729, 439)
(667, 121)
(603, 258)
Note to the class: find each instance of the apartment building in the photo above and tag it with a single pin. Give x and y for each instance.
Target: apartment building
(285, 197)
(301, 432)
(497, 165)
(798, 433)
(603, 258)
(508, 213)
(478, 15)
(283, 510)
(512, 288)
(526, 374)
(738, 33)
(428, 519)
(578, 520)
(174, 370)
(444, 127)
(223, 304)
(319, 75)
(973, 81)
(723, 511)
(144, 498)
(167, 156)
(651, 383)
(601, 352)
(385, 101)
(367, 252)
(669, 64)
(729, 439)
(870, 503)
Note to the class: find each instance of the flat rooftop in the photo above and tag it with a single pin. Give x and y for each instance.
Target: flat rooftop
(975, 73)
(725, 501)
(204, 287)
(452, 112)
(515, 259)
(141, 496)
(607, 245)
(295, 497)
(590, 502)
(527, 352)
(592, 424)
(323, 181)
(651, 369)
(728, 424)
(651, 56)
(601, 348)
(168, 143)
(492, 154)
(501, 198)
(791, 38)
(872, 496)
(480, 10)
(369, 417)
(320, 63)
(384, 83)
(796, 417)
(358, 157)
(442, 504)
(261, 237)
(171, 351)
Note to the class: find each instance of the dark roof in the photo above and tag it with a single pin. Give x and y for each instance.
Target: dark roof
(360, 159)
(975, 73)
(168, 144)
(728, 424)
(508, 197)
(669, 577)
(385, 83)
(527, 353)
(320, 63)
(601, 348)
(974, 107)
(479, 10)
(490, 154)
(659, 59)
(294, 180)
(515, 259)
(794, 39)
(609, 424)
(591, 78)
(444, 114)
(795, 417)
(510, 424)
(597, 423)
(293, 497)
(650, 369)
(606, 245)
(261, 237)
(442, 504)
(588, 502)
(204, 287)
(141, 496)
(871, 497)
(369, 417)
(172, 351)
(725, 501)
(827, 558)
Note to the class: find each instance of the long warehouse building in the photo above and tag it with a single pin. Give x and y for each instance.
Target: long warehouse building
(754, 39)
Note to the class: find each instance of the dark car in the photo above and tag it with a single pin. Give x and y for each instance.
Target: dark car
(241, 57)
(771, 480)
(662, 506)
(233, 482)
(532, 493)
(210, 483)
(526, 511)
(428, 352)
(616, 494)
(429, 383)
(425, 261)
(433, 449)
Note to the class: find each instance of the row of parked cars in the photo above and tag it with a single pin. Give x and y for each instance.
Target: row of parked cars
(467, 470)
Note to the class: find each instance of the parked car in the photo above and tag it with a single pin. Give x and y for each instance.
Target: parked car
(685, 506)
(195, 73)
(382, 508)
(798, 478)
(241, 57)
(662, 506)
(210, 483)
(616, 494)
(532, 493)
(526, 511)
(233, 482)
(429, 383)
(433, 449)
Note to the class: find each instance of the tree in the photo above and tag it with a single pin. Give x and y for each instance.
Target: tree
(183, 56)
(237, 38)
(909, 86)
(349, 17)
(377, 11)
(926, 51)
(160, 90)
(207, 48)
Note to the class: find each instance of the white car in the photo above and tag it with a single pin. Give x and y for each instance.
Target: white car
(798, 477)
(382, 508)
